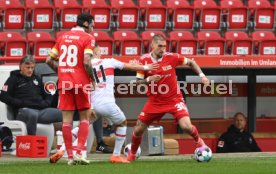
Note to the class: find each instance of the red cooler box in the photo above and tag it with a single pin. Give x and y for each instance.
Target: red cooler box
(31, 146)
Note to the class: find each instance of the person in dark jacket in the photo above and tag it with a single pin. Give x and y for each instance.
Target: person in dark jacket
(237, 139)
(24, 92)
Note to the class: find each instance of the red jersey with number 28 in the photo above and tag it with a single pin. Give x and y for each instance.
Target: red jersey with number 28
(69, 50)
(166, 89)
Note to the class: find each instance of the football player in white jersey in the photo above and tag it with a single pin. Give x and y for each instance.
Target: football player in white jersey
(103, 99)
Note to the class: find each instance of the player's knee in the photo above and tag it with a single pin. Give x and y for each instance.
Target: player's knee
(140, 128)
(122, 124)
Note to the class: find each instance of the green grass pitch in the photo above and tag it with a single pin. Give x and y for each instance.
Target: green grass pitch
(231, 165)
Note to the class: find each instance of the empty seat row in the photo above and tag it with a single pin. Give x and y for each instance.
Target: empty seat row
(148, 14)
(128, 43)
(15, 45)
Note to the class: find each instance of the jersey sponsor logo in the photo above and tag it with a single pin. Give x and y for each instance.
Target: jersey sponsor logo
(220, 143)
(166, 68)
(93, 43)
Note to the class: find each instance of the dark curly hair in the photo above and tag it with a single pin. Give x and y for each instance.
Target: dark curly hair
(84, 17)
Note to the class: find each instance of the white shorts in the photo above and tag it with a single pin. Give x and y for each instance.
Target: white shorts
(110, 111)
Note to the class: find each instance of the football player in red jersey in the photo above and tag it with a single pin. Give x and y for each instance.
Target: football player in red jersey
(163, 92)
(73, 50)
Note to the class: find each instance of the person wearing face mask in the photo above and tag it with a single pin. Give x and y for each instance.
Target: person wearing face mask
(237, 138)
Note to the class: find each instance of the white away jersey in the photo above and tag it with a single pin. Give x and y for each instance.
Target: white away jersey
(103, 70)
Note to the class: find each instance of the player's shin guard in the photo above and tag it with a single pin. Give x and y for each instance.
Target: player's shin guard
(135, 142)
(82, 135)
(67, 136)
(120, 139)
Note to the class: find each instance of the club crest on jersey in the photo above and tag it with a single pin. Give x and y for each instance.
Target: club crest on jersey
(166, 68)
(35, 82)
(5, 88)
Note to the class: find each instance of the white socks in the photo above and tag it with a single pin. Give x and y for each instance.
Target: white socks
(120, 139)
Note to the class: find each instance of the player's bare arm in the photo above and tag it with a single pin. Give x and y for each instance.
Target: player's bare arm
(137, 67)
(88, 66)
(153, 78)
(52, 63)
(198, 70)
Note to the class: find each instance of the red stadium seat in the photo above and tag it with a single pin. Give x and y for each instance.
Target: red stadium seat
(67, 12)
(262, 14)
(153, 13)
(127, 14)
(210, 43)
(146, 37)
(208, 14)
(101, 12)
(127, 42)
(40, 43)
(13, 44)
(183, 42)
(40, 14)
(235, 14)
(106, 43)
(264, 42)
(238, 43)
(181, 14)
(14, 14)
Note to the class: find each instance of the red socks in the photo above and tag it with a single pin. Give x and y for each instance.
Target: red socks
(67, 136)
(135, 142)
(82, 135)
(194, 133)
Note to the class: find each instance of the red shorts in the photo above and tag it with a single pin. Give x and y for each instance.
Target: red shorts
(155, 111)
(74, 99)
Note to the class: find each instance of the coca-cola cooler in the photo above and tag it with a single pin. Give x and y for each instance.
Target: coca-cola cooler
(152, 141)
(31, 146)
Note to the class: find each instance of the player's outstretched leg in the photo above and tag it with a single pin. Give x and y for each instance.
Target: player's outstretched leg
(136, 140)
(185, 124)
(120, 139)
(55, 157)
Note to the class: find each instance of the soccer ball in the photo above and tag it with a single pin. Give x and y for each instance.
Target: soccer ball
(203, 154)
(127, 149)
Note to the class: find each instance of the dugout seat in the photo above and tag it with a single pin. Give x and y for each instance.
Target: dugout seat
(13, 13)
(210, 43)
(40, 14)
(100, 11)
(127, 43)
(40, 43)
(105, 41)
(262, 14)
(153, 14)
(183, 42)
(180, 15)
(264, 42)
(127, 14)
(67, 12)
(238, 43)
(19, 127)
(207, 14)
(234, 14)
(146, 37)
(12, 44)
